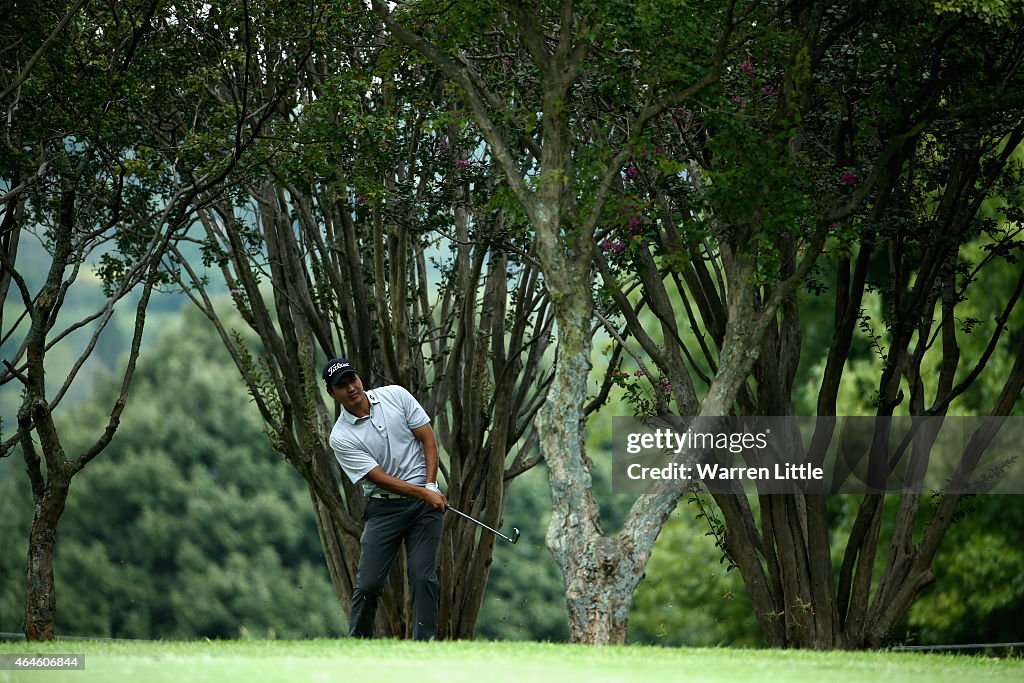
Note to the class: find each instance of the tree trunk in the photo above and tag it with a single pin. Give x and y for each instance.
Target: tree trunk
(40, 595)
(597, 602)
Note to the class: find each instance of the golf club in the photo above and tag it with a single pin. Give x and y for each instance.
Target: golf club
(515, 532)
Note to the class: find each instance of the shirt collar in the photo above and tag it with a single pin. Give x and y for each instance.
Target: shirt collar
(352, 419)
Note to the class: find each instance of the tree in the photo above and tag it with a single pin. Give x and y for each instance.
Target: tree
(373, 196)
(560, 159)
(82, 170)
(895, 157)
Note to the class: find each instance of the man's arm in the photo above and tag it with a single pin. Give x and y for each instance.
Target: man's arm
(425, 435)
(396, 485)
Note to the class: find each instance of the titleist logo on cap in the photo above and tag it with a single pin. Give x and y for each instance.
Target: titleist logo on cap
(338, 366)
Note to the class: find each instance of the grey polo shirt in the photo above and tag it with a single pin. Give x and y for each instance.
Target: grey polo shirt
(382, 439)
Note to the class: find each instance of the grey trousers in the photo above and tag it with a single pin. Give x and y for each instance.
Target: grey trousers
(389, 523)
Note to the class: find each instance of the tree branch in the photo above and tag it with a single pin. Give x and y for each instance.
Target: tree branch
(27, 70)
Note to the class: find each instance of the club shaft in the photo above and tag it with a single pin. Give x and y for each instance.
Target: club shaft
(477, 521)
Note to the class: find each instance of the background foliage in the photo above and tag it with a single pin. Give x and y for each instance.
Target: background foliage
(190, 527)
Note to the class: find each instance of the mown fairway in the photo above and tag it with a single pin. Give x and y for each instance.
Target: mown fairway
(486, 662)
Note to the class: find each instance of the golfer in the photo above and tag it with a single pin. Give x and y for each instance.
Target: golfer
(383, 439)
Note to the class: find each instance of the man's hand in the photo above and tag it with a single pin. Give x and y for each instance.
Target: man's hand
(436, 499)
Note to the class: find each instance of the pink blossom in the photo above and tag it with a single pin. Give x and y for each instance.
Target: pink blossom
(736, 99)
(631, 173)
(461, 163)
(768, 91)
(748, 67)
(608, 244)
(848, 179)
(634, 225)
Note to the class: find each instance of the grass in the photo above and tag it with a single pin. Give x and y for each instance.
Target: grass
(382, 661)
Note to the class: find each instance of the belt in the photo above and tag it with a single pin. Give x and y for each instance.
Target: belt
(388, 496)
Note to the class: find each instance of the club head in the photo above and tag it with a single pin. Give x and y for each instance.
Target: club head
(515, 535)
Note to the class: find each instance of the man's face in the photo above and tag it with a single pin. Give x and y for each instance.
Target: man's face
(348, 391)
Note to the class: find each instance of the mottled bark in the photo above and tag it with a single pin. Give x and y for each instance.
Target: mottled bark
(585, 557)
(40, 589)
